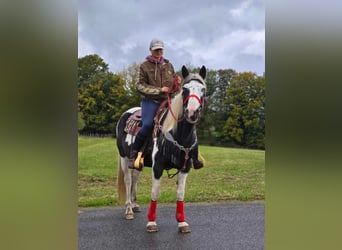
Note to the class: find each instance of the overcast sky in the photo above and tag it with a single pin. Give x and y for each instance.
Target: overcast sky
(220, 34)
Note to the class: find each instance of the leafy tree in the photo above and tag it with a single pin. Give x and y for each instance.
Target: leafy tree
(92, 105)
(245, 124)
(102, 103)
(218, 106)
(100, 93)
(130, 77)
(215, 113)
(118, 100)
(88, 68)
(81, 123)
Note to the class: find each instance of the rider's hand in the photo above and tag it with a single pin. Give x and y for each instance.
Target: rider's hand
(165, 89)
(177, 80)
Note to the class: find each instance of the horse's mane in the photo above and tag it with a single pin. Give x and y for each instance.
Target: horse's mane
(171, 120)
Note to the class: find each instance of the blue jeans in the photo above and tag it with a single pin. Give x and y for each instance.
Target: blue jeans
(148, 111)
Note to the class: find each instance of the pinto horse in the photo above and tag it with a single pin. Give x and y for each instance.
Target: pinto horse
(174, 140)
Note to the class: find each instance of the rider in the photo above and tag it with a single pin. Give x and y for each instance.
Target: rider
(156, 75)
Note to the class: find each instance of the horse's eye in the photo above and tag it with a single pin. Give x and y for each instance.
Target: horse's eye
(185, 90)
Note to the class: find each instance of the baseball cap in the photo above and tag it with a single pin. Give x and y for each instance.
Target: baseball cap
(156, 44)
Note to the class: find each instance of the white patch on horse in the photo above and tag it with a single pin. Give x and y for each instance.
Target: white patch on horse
(155, 150)
(181, 186)
(129, 139)
(195, 88)
(151, 223)
(182, 224)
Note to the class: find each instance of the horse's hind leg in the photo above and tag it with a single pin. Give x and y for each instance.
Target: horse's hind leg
(128, 183)
(183, 227)
(135, 177)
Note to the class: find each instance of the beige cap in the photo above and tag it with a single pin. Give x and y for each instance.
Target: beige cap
(156, 44)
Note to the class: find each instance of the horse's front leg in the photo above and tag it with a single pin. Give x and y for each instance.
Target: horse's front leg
(151, 226)
(183, 227)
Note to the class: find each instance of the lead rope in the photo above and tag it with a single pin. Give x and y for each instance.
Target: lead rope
(174, 88)
(170, 138)
(170, 176)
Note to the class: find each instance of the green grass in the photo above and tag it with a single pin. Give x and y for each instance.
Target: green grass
(229, 174)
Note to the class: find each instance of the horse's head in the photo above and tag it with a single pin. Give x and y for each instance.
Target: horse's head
(193, 93)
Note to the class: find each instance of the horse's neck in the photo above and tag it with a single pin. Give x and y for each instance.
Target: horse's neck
(185, 133)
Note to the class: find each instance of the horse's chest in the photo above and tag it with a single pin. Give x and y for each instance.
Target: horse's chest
(167, 154)
(174, 160)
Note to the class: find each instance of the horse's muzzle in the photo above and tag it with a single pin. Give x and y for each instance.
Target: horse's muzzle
(192, 116)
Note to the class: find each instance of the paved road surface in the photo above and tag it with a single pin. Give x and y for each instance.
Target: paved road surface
(236, 225)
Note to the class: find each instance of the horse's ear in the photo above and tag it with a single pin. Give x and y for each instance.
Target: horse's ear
(203, 72)
(185, 72)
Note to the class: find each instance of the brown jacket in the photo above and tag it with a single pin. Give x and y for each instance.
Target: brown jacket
(153, 76)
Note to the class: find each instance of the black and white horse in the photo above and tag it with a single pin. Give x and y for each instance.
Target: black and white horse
(173, 147)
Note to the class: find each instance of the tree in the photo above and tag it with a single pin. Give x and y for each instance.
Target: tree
(101, 96)
(245, 124)
(218, 106)
(130, 77)
(81, 123)
(215, 112)
(88, 67)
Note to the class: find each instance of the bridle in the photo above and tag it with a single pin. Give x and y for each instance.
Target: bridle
(185, 100)
(192, 95)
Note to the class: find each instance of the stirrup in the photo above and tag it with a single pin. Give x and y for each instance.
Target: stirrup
(139, 162)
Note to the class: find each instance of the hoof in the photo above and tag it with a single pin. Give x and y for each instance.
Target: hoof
(129, 216)
(152, 227)
(183, 227)
(136, 209)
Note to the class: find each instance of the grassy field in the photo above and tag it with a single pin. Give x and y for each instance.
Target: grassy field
(229, 174)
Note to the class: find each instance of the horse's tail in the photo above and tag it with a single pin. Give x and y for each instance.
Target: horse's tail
(121, 184)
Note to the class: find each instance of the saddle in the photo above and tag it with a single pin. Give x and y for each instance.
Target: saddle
(133, 126)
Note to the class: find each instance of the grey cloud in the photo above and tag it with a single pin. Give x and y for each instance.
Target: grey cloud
(120, 31)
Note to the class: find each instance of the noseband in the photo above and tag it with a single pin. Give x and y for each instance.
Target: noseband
(192, 95)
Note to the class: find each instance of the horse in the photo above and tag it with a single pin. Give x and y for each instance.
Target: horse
(173, 144)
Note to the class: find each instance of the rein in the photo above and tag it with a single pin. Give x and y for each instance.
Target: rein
(171, 111)
(174, 88)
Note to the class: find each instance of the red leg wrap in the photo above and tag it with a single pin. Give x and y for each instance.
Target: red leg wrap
(180, 216)
(152, 211)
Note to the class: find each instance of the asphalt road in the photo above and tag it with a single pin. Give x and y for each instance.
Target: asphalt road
(236, 225)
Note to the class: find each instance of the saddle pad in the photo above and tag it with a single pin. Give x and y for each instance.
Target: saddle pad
(133, 123)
